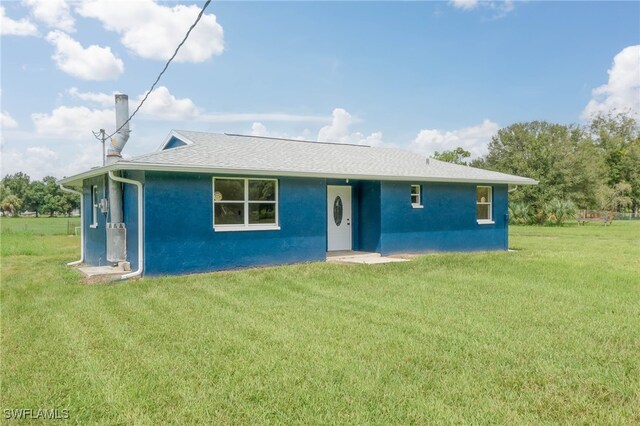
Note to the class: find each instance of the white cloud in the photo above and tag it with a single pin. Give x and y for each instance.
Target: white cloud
(622, 91)
(474, 139)
(499, 8)
(464, 4)
(161, 104)
(32, 161)
(260, 116)
(73, 122)
(22, 27)
(340, 131)
(259, 129)
(93, 63)
(153, 31)
(41, 161)
(54, 13)
(103, 99)
(7, 122)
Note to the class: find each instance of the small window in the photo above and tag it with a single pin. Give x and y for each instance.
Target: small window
(245, 204)
(484, 195)
(95, 204)
(416, 196)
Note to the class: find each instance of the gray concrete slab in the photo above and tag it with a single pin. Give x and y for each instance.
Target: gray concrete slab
(96, 271)
(361, 258)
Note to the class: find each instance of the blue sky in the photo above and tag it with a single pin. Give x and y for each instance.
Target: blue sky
(422, 76)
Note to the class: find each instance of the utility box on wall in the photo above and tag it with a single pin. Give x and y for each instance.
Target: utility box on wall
(116, 242)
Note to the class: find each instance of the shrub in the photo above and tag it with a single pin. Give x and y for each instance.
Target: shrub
(519, 212)
(560, 211)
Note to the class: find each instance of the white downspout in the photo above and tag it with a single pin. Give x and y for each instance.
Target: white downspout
(73, 191)
(138, 271)
(512, 189)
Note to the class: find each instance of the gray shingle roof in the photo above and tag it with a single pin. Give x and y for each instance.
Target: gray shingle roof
(238, 153)
(261, 156)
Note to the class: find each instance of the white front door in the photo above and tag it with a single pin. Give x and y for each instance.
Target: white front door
(338, 217)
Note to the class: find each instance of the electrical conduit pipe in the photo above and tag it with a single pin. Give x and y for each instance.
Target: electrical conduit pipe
(138, 271)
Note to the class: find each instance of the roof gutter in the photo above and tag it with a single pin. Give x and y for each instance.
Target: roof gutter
(95, 171)
(124, 165)
(138, 184)
(73, 191)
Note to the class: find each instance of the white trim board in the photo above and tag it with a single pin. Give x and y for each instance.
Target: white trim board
(127, 165)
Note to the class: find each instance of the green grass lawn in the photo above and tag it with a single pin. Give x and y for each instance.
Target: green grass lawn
(39, 226)
(547, 334)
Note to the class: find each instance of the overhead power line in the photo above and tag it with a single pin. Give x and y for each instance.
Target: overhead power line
(186, 36)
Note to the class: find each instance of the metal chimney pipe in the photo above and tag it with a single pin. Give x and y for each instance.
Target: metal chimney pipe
(121, 137)
(116, 230)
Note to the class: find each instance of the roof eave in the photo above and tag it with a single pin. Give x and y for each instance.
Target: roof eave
(95, 171)
(124, 165)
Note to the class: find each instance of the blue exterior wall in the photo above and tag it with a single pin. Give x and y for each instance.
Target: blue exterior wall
(130, 210)
(179, 234)
(447, 221)
(369, 218)
(95, 241)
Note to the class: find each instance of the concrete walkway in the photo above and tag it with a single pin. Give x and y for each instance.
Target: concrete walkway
(362, 257)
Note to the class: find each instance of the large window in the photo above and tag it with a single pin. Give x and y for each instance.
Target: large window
(245, 204)
(94, 206)
(416, 196)
(484, 204)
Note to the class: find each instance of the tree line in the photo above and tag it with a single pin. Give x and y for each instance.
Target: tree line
(19, 194)
(593, 167)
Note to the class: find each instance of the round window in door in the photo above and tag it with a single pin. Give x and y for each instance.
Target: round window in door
(337, 211)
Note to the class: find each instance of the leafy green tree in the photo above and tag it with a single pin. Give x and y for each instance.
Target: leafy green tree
(4, 193)
(456, 156)
(480, 163)
(579, 170)
(616, 198)
(17, 183)
(69, 202)
(613, 133)
(39, 196)
(631, 163)
(53, 201)
(35, 197)
(562, 158)
(12, 204)
(617, 138)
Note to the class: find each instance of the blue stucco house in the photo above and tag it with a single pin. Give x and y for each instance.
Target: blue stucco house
(207, 202)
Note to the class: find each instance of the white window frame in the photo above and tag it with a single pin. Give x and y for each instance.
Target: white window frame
(246, 226)
(489, 203)
(94, 206)
(417, 205)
